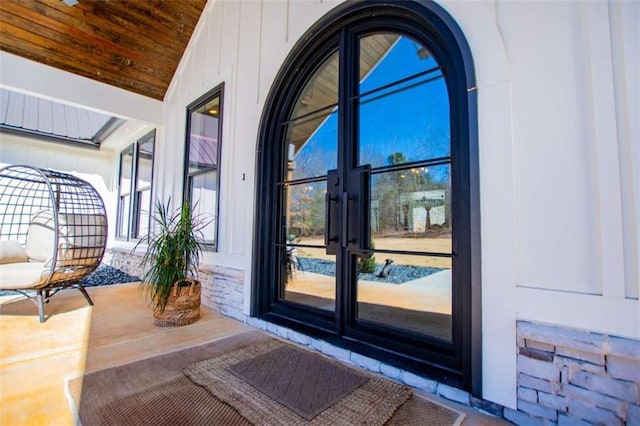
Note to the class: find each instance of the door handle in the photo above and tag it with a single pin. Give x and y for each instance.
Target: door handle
(331, 200)
(345, 219)
(357, 232)
(328, 238)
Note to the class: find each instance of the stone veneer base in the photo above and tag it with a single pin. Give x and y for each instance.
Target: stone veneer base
(571, 377)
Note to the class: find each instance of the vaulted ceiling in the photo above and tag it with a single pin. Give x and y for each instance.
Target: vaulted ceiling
(135, 45)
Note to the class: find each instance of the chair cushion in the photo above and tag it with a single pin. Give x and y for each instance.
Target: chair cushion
(12, 252)
(41, 236)
(23, 275)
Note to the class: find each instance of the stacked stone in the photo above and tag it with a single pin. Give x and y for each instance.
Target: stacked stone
(574, 377)
(223, 290)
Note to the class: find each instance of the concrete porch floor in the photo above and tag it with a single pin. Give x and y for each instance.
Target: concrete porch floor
(36, 359)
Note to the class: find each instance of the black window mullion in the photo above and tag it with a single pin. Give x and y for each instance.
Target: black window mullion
(412, 165)
(402, 80)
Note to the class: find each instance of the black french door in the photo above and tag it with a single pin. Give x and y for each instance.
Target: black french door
(366, 242)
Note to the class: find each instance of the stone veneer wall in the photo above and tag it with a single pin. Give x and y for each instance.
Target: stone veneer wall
(574, 377)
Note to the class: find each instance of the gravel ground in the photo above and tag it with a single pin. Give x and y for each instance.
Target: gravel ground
(103, 275)
(399, 273)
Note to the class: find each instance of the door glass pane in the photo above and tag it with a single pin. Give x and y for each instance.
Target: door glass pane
(309, 273)
(406, 292)
(312, 128)
(376, 50)
(403, 109)
(309, 277)
(305, 217)
(204, 187)
(411, 209)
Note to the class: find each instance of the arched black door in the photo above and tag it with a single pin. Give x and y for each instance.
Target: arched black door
(365, 227)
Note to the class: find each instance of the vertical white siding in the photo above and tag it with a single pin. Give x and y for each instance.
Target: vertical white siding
(554, 155)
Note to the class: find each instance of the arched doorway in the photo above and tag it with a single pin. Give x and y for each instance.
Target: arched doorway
(367, 231)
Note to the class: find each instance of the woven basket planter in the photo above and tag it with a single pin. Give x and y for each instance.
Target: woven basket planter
(183, 306)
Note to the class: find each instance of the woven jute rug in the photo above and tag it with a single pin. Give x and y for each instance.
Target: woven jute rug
(176, 402)
(371, 403)
(155, 392)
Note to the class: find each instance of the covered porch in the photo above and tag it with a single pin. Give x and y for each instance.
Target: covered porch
(37, 360)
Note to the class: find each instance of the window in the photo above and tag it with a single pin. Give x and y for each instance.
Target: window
(134, 192)
(202, 171)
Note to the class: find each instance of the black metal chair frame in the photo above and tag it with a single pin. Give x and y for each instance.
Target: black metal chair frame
(61, 223)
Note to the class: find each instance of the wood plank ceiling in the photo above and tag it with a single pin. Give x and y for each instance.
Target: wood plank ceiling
(135, 45)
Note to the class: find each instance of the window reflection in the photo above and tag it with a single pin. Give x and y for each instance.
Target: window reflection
(312, 129)
(203, 139)
(413, 203)
(204, 192)
(401, 109)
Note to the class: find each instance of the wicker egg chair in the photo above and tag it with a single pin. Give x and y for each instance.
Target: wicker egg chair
(53, 232)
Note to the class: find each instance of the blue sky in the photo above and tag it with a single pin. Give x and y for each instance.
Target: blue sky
(414, 121)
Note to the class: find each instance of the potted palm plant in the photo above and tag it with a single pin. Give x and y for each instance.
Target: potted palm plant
(171, 261)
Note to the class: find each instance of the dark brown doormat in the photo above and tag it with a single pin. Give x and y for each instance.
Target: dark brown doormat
(306, 383)
(154, 391)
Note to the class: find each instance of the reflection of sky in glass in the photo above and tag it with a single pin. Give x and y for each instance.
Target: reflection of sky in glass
(319, 153)
(414, 121)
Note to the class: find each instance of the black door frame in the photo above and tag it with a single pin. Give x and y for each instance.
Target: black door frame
(437, 26)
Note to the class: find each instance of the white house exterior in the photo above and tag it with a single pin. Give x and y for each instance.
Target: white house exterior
(558, 107)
